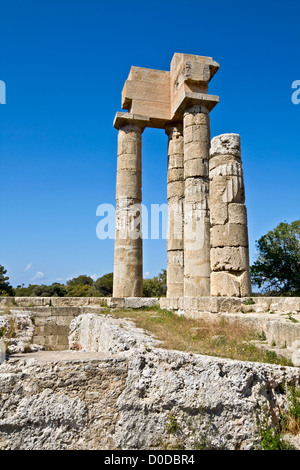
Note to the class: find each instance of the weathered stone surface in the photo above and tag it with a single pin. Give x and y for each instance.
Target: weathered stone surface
(60, 405)
(226, 144)
(106, 334)
(229, 235)
(18, 332)
(80, 403)
(231, 285)
(229, 258)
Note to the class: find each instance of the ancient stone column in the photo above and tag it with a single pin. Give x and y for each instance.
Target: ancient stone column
(196, 131)
(229, 233)
(175, 247)
(128, 255)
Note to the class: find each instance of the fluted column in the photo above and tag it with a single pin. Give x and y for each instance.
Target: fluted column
(175, 246)
(196, 131)
(229, 232)
(128, 255)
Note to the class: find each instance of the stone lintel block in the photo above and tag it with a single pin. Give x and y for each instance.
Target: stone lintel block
(158, 113)
(147, 90)
(229, 235)
(226, 144)
(193, 68)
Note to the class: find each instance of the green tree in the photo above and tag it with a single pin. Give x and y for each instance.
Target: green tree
(54, 290)
(5, 287)
(81, 290)
(104, 285)
(81, 280)
(157, 286)
(277, 268)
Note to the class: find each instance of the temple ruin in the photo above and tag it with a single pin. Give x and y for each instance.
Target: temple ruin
(207, 244)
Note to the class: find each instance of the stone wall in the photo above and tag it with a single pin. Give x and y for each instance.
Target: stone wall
(200, 304)
(278, 317)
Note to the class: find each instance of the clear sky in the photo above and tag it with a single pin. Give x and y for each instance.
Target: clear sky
(64, 63)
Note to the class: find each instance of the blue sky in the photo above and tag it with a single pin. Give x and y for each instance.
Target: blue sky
(64, 63)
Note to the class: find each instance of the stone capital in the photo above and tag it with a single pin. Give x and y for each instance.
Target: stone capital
(205, 102)
(174, 129)
(128, 119)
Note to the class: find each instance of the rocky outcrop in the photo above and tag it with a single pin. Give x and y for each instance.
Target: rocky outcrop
(103, 333)
(130, 394)
(17, 332)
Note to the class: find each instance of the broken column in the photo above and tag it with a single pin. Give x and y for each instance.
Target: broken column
(175, 194)
(230, 274)
(128, 255)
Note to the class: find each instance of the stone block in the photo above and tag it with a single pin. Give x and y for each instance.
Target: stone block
(218, 213)
(196, 190)
(98, 301)
(229, 304)
(237, 214)
(196, 286)
(196, 119)
(175, 189)
(176, 174)
(196, 133)
(225, 284)
(196, 167)
(208, 304)
(229, 235)
(196, 149)
(285, 304)
(140, 302)
(175, 161)
(69, 301)
(114, 302)
(229, 258)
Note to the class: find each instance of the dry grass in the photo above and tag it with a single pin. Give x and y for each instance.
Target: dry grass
(214, 337)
